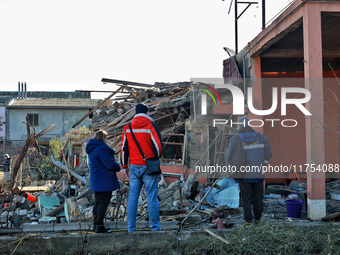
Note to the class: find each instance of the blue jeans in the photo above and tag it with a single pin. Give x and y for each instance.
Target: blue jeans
(138, 177)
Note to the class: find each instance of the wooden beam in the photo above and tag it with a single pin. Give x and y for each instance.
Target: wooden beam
(67, 170)
(105, 80)
(117, 120)
(166, 134)
(217, 236)
(104, 91)
(272, 41)
(99, 105)
(168, 98)
(297, 53)
(172, 143)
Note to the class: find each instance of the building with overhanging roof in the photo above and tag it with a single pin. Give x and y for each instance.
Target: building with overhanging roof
(300, 48)
(43, 112)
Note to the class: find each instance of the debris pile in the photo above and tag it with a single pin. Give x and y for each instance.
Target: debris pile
(65, 201)
(187, 142)
(169, 107)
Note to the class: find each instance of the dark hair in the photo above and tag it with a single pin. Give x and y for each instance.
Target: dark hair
(100, 135)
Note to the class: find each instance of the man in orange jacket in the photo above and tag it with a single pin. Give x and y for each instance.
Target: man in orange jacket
(150, 141)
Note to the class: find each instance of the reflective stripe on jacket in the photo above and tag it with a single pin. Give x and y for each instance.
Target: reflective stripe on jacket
(148, 137)
(258, 153)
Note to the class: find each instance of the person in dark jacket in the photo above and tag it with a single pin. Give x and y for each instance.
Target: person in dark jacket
(7, 167)
(103, 178)
(150, 141)
(258, 153)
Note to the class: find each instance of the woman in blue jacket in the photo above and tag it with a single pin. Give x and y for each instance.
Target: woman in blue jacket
(103, 178)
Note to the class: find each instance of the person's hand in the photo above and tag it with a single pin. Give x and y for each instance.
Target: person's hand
(126, 171)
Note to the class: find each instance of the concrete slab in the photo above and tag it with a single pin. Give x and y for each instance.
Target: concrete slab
(140, 242)
(110, 243)
(76, 226)
(35, 188)
(47, 219)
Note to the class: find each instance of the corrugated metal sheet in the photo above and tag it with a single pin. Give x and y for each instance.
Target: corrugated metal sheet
(54, 103)
(229, 70)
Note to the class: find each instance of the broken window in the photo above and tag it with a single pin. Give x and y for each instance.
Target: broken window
(33, 119)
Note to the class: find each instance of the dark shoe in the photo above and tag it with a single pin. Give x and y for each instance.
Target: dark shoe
(100, 229)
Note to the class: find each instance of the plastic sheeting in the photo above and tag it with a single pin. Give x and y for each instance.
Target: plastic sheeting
(227, 195)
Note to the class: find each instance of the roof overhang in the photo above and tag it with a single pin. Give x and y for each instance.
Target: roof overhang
(280, 45)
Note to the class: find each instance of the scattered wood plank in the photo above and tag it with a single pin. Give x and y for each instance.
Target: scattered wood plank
(217, 236)
(206, 194)
(138, 84)
(168, 98)
(99, 105)
(332, 217)
(67, 170)
(174, 217)
(117, 120)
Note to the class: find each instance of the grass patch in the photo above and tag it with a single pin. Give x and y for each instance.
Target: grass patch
(269, 239)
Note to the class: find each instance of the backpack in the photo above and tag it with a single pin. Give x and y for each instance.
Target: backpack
(237, 158)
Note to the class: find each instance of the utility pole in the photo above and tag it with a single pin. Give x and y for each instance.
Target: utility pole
(236, 29)
(239, 16)
(263, 14)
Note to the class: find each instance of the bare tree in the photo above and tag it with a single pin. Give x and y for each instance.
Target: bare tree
(31, 139)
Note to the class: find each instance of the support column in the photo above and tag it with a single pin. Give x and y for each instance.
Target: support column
(257, 93)
(315, 143)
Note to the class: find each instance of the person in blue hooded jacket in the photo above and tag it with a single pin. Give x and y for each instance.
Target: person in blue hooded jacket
(103, 178)
(258, 153)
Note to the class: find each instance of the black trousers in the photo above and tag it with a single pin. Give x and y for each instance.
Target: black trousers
(102, 200)
(252, 195)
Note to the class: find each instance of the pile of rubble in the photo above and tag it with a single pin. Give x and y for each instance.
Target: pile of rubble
(187, 142)
(65, 201)
(70, 200)
(169, 107)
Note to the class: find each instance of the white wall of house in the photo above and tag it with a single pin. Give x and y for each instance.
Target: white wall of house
(63, 119)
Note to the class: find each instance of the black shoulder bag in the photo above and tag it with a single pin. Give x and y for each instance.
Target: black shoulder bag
(152, 164)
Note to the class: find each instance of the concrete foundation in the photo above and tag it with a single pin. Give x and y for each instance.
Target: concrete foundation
(110, 243)
(140, 242)
(316, 209)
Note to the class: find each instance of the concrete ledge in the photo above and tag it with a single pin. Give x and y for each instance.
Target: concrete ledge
(123, 242)
(112, 243)
(78, 226)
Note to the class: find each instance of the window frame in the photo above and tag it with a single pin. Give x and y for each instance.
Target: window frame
(35, 119)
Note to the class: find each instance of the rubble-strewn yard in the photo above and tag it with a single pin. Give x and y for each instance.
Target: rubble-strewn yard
(188, 200)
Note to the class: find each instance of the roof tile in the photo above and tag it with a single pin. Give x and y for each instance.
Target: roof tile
(55, 102)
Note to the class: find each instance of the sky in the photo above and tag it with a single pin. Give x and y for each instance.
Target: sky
(67, 45)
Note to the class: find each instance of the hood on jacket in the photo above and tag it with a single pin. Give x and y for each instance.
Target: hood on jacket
(248, 135)
(94, 143)
(141, 120)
